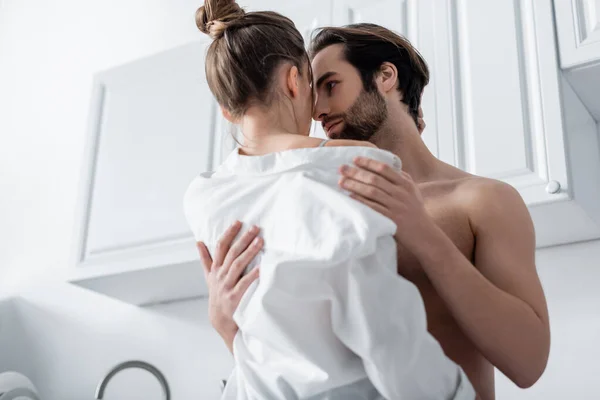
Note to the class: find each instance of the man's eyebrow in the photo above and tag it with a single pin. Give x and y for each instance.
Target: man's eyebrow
(324, 77)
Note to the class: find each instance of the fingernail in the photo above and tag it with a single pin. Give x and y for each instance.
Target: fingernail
(237, 223)
(254, 229)
(342, 182)
(256, 241)
(344, 169)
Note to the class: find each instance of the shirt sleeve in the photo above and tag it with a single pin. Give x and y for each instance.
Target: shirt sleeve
(380, 316)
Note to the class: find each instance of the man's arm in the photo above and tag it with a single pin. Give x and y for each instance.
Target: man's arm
(499, 303)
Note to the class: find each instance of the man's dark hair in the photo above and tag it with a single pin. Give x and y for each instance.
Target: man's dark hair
(367, 47)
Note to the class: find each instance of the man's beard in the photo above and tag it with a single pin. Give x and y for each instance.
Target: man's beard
(364, 118)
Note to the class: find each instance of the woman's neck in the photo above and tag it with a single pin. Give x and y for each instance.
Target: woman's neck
(266, 131)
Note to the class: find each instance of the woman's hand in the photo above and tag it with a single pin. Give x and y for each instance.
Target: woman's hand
(223, 274)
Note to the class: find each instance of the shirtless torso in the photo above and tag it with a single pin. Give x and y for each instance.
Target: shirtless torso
(445, 202)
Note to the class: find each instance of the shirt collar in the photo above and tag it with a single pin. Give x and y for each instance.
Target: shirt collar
(239, 164)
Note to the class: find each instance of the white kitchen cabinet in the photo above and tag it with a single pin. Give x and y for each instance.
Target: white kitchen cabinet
(151, 131)
(498, 107)
(392, 14)
(578, 31)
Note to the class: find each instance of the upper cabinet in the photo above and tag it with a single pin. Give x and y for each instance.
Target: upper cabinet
(392, 14)
(578, 31)
(498, 107)
(152, 129)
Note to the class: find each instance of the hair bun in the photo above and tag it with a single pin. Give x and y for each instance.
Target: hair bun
(216, 15)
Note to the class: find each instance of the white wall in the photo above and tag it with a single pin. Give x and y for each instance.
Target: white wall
(77, 336)
(49, 51)
(48, 54)
(571, 279)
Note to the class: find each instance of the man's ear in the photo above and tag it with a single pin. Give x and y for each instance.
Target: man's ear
(293, 81)
(387, 78)
(421, 122)
(227, 115)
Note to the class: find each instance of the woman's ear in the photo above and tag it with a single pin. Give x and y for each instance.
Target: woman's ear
(293, 81)
(387, 78)
(227, 115)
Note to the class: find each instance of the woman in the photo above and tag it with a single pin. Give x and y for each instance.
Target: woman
(330, 318)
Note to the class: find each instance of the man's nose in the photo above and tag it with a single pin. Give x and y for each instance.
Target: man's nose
(320, 110)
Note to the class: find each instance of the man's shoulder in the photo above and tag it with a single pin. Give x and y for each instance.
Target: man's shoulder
(466, 188)
(477, 190)
(486, 200)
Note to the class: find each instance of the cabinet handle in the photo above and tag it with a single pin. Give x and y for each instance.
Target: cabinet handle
(553, 187)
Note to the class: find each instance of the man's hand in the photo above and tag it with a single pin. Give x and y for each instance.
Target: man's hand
(223, 273)
(393, 194)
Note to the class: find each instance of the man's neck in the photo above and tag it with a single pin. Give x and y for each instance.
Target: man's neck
(417, 160)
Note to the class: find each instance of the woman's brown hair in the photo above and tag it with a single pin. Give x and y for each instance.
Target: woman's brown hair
(246, 50)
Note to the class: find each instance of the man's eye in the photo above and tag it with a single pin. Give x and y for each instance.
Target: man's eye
(330, 86)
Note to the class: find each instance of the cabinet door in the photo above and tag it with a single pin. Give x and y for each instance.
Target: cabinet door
(578, 28)
(151, 132)
(497, 109)
(497, 92)
(392, 14)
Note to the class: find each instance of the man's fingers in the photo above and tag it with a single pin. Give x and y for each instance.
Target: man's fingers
(225, 242)
(375, 206)
(379, 168)
(246, 281)
(204, 258)
(240, 263)
(367, 177)
(240, 246)
(368, 192)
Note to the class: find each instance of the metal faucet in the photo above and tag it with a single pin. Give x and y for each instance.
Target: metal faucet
(133, 364)
(19, 393)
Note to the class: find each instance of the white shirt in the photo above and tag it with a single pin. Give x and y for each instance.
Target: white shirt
(329, 318)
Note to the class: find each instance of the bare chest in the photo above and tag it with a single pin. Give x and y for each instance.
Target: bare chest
(453, 220)
(447, 210)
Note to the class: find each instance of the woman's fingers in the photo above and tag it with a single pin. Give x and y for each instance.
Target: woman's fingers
(204, 258)
(240, 246)
(238, 266)
(245, 283)
(224, 243)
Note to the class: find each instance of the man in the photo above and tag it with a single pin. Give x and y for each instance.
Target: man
(466, 242)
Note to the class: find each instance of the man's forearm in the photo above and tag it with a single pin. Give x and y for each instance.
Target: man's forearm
(504, 328)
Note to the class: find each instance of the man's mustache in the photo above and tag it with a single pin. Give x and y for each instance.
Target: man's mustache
(329, 118)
